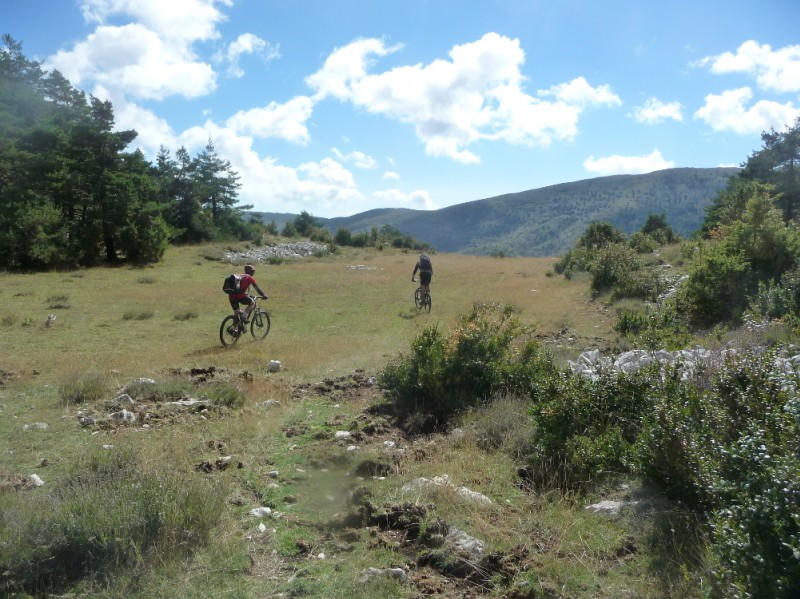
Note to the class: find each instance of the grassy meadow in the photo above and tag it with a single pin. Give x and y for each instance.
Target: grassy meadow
(330, 317)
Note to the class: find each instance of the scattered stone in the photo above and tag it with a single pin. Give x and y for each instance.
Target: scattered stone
(86, 420)
(274, 366)
(426, 484)
(609, 508)
(123, 400)
(189, 403)
(372, 573)
(35, 480)
(265, 253)
(270, 403)
(36, 426)
(260, 512)
(123, 416)
(464, 545)
(339, 435)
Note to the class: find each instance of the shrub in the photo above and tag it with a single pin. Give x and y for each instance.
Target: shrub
(642, 243)
(587, 429)
(443, 374)
(716, 287)
(654, 327)
(613, 266)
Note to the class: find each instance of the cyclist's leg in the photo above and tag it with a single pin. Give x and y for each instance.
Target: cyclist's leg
(425, 279)
(250, 304)
(236, 311)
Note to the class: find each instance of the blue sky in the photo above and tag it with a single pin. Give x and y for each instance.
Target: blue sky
(339, 106)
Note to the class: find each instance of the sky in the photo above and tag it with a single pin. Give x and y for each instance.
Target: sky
(335, 107)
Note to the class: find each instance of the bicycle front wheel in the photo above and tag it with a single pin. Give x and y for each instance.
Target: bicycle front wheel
(228, 332)
(259, 326)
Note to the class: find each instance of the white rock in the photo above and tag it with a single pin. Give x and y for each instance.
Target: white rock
(342, 435)
(124, 416)
(36, 426)
(123, 400)
(37, 482)
(260, 512)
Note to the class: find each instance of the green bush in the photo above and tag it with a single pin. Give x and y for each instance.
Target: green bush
(732, 452)
(717, 286)
(653, 327)
(587, 429)
(613, 265)
(443, 374)
(642, 243)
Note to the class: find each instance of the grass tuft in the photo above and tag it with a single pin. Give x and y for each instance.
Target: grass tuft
(83, 388)
(137, 315)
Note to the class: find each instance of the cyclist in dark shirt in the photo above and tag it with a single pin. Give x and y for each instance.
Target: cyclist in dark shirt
(425, 268)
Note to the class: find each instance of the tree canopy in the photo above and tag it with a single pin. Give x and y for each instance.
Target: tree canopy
(73, 191)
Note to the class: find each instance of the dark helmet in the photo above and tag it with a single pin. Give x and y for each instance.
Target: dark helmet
(249, 270)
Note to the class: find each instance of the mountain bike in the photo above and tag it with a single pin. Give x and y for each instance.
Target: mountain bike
(422, 299)
(230, 330)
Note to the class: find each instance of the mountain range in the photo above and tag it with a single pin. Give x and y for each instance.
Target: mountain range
(549, 220)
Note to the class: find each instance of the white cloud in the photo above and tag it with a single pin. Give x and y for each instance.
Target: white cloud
(345, 66)
(390, 176)
(247, 43)
(418, 199)
(135, 61)
(654, 111)
(578, 92)
(728, 112)
(774, 70)
(286, 121)
(628, 165)
(475, 95)
(359, 159)
(184, 20)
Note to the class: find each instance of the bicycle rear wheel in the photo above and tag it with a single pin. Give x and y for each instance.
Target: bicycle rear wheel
(259, 326)
(427, 302)
(418, 297)
(228, 332)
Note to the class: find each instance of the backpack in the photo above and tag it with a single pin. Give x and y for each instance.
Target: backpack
(425, 264)
(232, 284)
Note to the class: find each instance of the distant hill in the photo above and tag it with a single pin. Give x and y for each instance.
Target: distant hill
(548, 221)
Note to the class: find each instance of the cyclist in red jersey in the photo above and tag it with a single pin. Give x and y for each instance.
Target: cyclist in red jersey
(242, 297)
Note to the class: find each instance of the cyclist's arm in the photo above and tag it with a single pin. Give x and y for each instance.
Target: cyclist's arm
(261, 293)
(416, 268)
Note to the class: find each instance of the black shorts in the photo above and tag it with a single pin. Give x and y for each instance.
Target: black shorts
(246, 300)
(425, 277)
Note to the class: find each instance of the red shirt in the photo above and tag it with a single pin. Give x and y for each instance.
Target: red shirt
(245, 281)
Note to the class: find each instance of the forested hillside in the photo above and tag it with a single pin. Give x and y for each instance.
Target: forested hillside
(548, 221)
